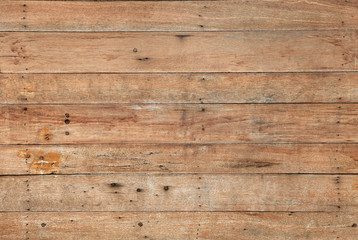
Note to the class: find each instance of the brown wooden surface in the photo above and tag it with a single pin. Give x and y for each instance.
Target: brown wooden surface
(179, 225)
(178, 123)
(179, 158)
(178, 119)
(180, 192)
(179, 88)
(177, 15)
(281, 51)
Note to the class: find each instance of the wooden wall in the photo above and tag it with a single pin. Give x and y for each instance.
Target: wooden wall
(179, 119)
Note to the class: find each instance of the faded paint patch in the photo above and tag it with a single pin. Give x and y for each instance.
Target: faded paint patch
(42, 162)
(355, 187)
(46, 135)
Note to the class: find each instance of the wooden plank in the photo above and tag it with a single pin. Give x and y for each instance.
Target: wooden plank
(179, 225)
(280, 51)
(179, 123)
(177, 16)
(179, 192)
(179, 158)
(179, 88)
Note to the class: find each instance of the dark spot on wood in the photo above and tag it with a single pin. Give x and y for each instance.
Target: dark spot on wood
(201, 26)
(182, 36)
(203, 109)
(166, 188)
(67, 121)
(25, 108)
(140, 224)
(354, 225)
(67, 133)
(43, 224)
(135, 50)
(67, 115)
(139, 190)
(251, 164)
(24, 5)
(143, 59)
(131, 200)
(115, 185)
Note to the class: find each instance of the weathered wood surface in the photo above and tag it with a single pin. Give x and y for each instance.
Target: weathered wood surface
(179, 123)
(179, 88)
(179, 192)
(177, 15)
(179, 225)
(179, 158)
(283, 51)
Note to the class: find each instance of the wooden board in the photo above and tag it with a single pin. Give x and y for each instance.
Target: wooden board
(22, 52)
(179, 119)
(179, 158)
(179, 225)
(179, 192)
(179, 88)
(178, 123)
(177, 16)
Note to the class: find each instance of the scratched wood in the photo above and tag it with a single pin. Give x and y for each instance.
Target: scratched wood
(180, 192)
(179, 88)
(179, 158)
(177, 15)
(178, 123)
(282, 51)
(179, 225)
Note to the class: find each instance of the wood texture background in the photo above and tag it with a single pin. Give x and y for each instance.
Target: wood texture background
(179, 119)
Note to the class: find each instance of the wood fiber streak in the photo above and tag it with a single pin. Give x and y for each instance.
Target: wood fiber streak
(22, 52)
(180, 192)
(229, 225)
(177, 15)
(179, 123)
(179, 158)
(179, 88)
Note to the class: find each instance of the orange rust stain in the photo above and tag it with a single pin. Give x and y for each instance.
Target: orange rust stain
(46, 134)
(28, 90)
(42, 162)
(355, 187)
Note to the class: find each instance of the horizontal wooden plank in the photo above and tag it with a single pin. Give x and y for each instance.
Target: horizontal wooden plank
(179, 158)
(178, 123)
(178, 225)
(179, 192)
(177, 15)
(22, 52)
(179, 88)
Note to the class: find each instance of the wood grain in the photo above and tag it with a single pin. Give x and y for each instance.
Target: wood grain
(179, 192)
(179, 225)
(22, 52)
(179, 123)
(179, 158)
(179, 88)
(177, 15)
